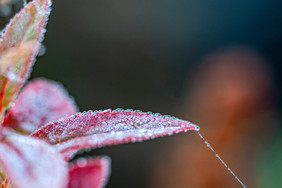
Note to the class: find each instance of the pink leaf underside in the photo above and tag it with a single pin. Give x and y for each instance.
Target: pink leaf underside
(31, 163)
(89, 172)
(104, 128)
(40, 102)
(18, 46)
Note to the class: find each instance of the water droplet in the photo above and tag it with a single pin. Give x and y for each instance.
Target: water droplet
(13, 77)
(42, 50)
(82, 162)
(119, 109)
(142, 130)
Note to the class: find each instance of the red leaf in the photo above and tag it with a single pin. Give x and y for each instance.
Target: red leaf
(102, 128)
(89, 173)
(18, 46)
(31, 163)
(5, 184)
(40, 102)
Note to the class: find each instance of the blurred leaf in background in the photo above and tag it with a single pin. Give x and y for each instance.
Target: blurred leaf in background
(232, 98)
(269, 170)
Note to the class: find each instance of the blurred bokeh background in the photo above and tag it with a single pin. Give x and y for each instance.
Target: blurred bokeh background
(214, 63)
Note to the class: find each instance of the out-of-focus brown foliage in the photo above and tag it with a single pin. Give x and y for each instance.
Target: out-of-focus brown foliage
(6, 9)
(2, 2)
(230, 100)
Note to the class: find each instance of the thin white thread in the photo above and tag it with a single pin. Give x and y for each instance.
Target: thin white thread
(217, 156)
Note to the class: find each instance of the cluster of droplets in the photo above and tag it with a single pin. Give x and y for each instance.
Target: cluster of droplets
(108, 127)
(113, 122)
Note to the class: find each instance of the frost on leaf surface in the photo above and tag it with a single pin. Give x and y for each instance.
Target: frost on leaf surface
(104, 128)
(31, 163)
(40, 102)
(19, 45)
(89, 172)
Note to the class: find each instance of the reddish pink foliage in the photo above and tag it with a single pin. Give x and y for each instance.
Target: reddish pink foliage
(31, 163)
(89, 173)
(18, 47)
(5, 184)
(96, 129)
(40, 101)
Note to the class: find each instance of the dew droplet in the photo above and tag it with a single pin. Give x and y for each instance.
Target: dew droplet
(82, 162)
(42, 50)
(142, 130)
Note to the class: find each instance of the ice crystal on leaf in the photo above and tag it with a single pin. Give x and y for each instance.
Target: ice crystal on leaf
(39, 134)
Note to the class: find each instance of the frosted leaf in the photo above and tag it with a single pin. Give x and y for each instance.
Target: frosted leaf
(40, 101)
(89, 172)
(103, 128)
(31, 163)
(19, 45)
